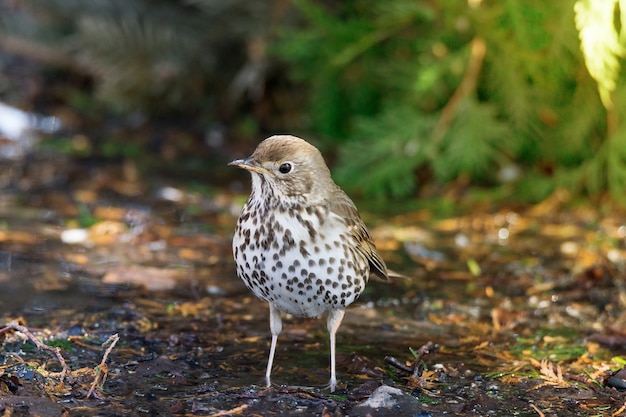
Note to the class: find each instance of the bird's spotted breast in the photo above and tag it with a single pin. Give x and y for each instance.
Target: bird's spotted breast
(294, 263)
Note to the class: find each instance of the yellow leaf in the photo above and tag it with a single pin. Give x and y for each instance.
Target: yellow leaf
(600, 42)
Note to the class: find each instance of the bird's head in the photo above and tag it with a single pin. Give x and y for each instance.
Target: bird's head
(290, 167)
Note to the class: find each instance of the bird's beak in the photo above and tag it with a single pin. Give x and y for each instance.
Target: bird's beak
(249, 165)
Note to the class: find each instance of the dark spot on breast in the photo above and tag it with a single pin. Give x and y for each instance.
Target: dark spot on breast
(288, 239)
(303, 251)
(321, 215)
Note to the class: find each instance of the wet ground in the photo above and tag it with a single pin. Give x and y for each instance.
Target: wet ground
(506, 310)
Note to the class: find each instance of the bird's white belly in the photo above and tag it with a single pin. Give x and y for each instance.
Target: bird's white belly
(301, 266)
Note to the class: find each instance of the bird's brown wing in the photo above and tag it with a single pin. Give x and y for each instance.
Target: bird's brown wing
(345, 208)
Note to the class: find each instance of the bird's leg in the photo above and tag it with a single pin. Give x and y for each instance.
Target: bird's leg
(333, 323)
(276, 326)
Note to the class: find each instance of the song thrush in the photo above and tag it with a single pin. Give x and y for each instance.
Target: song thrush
(300, 243)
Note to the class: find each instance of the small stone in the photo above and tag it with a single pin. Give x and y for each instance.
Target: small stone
(388, 401)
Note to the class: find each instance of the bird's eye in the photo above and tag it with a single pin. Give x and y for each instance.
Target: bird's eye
(285, 168)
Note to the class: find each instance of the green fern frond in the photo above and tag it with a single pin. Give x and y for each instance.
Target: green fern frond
(391, 147)
(508, 82)
(616, 165)
(476, 144)
(579, 133)
(604, 171)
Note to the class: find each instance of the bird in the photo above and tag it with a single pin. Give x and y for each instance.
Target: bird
(300, 243)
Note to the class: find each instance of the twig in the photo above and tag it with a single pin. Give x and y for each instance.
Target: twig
(14, 325)
(619, 411)
(425, 350)
(583, 379)
(421, 352)
(478, 50)
(416, 369)
(40, 53)
(236, 410)
(102, 370)
(534, 407)
(397, 364)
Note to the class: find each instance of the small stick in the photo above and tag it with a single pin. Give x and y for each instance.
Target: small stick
(425, 350)
(420, 353)
(619, 411)
(236, 410)
(397, 364)
(534, 407)
(14, 325)
(102, 369)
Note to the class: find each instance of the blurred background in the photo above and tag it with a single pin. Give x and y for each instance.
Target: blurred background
(483, 141)
(516, 99)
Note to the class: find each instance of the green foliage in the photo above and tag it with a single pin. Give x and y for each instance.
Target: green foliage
(476, 141)
(412, 91)
(65, 345)
(465, 89)
(606, 170)
(340, 59)
(85, 217)
(386, 141)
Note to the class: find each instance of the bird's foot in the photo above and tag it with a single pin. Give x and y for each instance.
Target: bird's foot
(332, 384)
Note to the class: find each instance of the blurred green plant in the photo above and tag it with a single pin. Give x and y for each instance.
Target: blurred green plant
(494, 92)
(525, 95)
(156, 56)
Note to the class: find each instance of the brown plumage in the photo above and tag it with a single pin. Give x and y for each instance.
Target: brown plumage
(300, 243)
